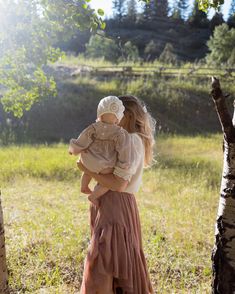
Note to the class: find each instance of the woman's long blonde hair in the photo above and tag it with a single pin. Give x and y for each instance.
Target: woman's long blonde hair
(139, 120)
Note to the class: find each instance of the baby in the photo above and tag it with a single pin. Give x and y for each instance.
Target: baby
(103, 145)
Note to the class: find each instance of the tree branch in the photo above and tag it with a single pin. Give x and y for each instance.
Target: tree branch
(222, 111)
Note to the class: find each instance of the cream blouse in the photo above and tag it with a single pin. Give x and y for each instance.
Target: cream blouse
(137, 164)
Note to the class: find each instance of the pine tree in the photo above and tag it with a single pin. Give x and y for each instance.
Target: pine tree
(162, 8)
(146, 15)
(183, 8)
(152, 50)
(131, 10)
(216, 20)
(168, 55)
(198, 18)
(231, 18)
(159, 8)
(119, 9)
(232, 8)
(153, 9)
(176, 11)
(221, 45)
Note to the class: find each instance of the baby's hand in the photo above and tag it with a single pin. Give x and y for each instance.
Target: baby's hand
(70, 150)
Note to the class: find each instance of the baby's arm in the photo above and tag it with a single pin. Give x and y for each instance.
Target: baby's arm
(76, 146)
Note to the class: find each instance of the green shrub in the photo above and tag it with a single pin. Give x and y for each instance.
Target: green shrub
(168, 55)
(221, 46)
(130, 52)
(100, 46)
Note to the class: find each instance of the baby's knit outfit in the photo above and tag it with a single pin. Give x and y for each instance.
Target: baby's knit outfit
(104, 146)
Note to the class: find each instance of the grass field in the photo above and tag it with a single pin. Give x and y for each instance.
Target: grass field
(47, 225)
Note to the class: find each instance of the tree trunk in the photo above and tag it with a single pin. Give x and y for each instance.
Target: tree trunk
(223, 255)
(3, 268)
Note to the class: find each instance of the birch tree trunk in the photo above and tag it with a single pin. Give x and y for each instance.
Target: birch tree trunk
(223, 255)
(3, 268)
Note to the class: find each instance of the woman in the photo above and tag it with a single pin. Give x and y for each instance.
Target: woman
(115, 262)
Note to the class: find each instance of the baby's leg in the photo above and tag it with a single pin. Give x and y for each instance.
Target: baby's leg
(99, 190)
(85, 181)
(97, 193)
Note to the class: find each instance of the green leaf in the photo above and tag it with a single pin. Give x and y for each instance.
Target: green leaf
(204, 5)
(94, 27)
(100, 12)
(103, 25)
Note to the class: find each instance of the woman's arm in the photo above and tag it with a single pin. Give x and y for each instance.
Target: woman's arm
(109, 181)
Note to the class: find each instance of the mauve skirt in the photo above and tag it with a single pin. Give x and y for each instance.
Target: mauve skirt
(115, 256)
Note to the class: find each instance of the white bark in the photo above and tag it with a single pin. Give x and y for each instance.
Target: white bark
(223, 255)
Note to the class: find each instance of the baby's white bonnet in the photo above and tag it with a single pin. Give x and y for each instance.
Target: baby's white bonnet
(111, 104)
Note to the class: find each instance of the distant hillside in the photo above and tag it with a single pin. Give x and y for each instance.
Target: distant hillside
(179, 104)
(189, 42)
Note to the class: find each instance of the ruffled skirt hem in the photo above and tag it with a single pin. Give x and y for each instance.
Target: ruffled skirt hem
(115, 257)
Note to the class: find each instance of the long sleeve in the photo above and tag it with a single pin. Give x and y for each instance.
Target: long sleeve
(128, 156)
(76, 146)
